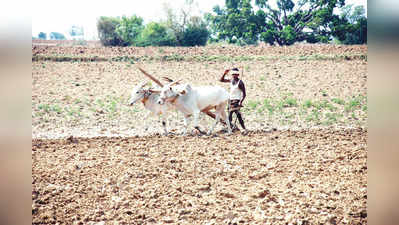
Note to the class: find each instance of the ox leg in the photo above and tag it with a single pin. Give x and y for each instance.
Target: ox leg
(214, 125)
(222, 112)
(224, 118)
(163, 120)
(196, 118)
(186, 121)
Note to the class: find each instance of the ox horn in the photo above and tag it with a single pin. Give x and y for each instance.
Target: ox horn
(167, 79)
(154, 91)
(151, 77)
(142, 84)
(175, 82)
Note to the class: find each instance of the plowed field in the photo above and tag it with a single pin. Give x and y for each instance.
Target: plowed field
(96, 160)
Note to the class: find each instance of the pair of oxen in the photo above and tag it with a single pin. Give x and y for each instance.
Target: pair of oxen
(189, 100)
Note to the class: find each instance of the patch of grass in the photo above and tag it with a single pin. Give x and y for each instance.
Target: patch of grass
(314, 116)
(268, 106)
(56, 108)
(338, 101)
(355, 103)
(112, 107)
(244, 58)
(331, 118)
(77, 101)
(307, 104)
(320, 104)
(44, 107)
(325, 104)
(72, 112)
(290, 102)
(353, 115)
(302, 58)
(253, 104)
(100, 103)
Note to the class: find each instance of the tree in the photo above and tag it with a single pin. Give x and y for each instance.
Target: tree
(237, 23)
(129, 29)
(189, 30)
(284, 24)
(42, 35)
(57, 36)
(156, 34)
(351, 26)
(195, 35)
(106, 27)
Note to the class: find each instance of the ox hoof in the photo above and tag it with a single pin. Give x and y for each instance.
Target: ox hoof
(244, 132)
(170, 134)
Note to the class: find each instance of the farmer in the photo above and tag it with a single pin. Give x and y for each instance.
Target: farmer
(237, 95)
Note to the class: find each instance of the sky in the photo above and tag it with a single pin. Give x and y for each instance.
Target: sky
(59, 16)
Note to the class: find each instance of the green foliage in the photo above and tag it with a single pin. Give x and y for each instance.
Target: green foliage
(289, 102)
(106, 27)
(253, 104)
(237, 23)
(291, 21)
(42, 36)
(182, 30)
(57, 36)
(289, 34)
(242, 22)
(195, 35)
(268, 106)
(351, 26)
(338, 101)
(156, 34)
(187, 29)
(354, 103)
(129, 29)
(307, 104)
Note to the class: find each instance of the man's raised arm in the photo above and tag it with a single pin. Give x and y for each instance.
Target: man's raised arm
(222, 79)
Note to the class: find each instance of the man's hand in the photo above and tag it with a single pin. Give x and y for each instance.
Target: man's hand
(226, 71)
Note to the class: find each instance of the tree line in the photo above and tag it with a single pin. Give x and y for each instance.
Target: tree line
(179, 29)
(288, 22)
(241, 22)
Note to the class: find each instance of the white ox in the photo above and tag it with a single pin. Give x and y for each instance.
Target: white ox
(150, 100)
(192, 100)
